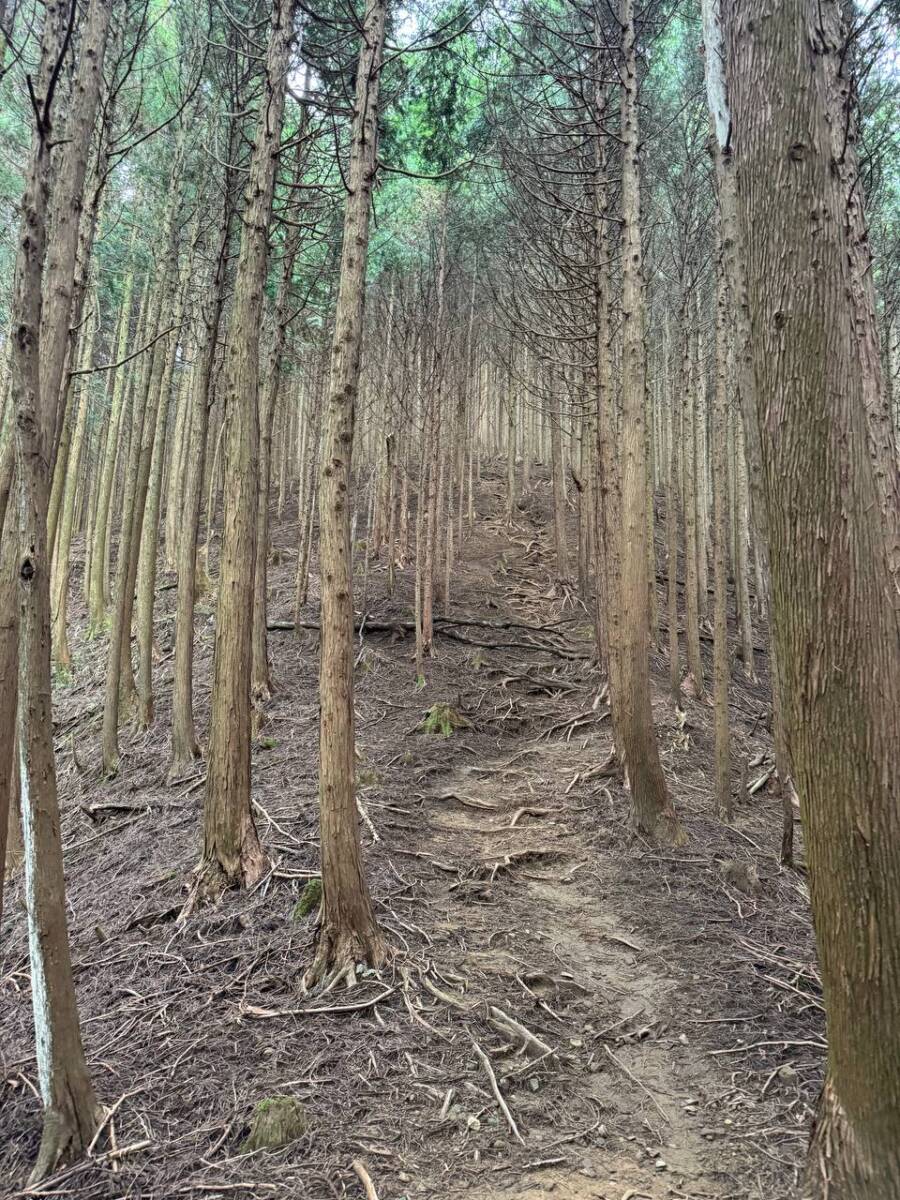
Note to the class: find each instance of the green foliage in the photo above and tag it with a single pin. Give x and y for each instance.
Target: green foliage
(442, 719)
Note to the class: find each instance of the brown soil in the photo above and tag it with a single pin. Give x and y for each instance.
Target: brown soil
(679, 998)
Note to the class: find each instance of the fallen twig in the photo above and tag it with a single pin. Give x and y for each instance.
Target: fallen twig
(253, 1010)
(518, 1033)
(365, 1179)
(498, 1095)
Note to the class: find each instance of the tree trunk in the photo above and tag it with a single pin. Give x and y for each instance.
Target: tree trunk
(349, 932)
(60, 573)
(654, 814)
(231, 850)
(99, 574)
(120, 689)
(672, 552)
(261, 679)
(40, 317)
(690, 383)
(833, 597)
(185, 747)
(721, 669)
(559, 485)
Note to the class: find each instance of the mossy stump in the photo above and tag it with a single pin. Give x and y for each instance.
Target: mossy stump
(275, 1123)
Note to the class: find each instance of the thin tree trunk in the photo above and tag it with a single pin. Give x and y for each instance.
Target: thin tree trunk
(59, 582)
(260, 675)
(654, 814)
(721, 670)
(99, 575)
(231, 850)
(185, 747)
(559, 484)
(690, 385)
(120, 689)
(40, 316)
(149, 547)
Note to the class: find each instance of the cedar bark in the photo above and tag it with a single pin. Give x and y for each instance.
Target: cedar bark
(99, 573)
(231, 850)
(721, 672)
(185, 747)
(836, 621)
(120, 692)
(261, 678)
(690, 383)
(654, 814)
(41, 306)
(349, 932)
(59, 582)
(559, 484)
(149, 547)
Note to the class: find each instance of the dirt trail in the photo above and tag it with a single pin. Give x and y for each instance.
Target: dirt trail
(650, 1081)
(672, 1021)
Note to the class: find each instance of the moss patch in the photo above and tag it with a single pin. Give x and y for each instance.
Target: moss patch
(310, 899)
(275, 1123)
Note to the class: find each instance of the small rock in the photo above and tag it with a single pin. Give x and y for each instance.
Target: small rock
(660, 1164)
(787, 1073)
(683, 1038)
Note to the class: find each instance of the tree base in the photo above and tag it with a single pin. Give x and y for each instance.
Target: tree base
(339, 953)
(68, 1129)
(212, 879)
(663, 830)
(111, 760)
(182, 762)
(839, 1167)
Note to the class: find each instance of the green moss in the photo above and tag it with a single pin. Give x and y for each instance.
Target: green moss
(310, 899)
(367, 777)
(276, 1122)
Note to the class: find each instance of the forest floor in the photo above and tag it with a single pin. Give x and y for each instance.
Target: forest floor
(673, 994)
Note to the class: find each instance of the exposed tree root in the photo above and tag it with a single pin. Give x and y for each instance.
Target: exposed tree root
(338, 954)
(213, 876)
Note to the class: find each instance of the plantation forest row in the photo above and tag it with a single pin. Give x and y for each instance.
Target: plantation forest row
(450, 599)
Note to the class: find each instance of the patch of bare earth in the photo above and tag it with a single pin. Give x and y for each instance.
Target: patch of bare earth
(569, 1012)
